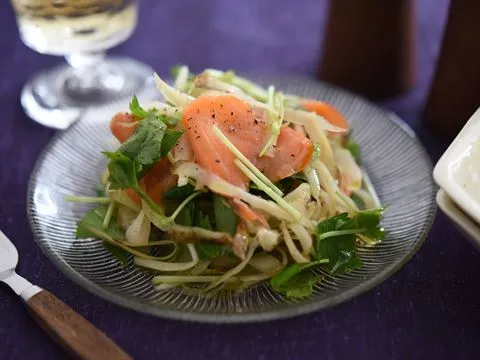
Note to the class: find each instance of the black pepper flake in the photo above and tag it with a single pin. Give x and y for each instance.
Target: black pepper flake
(189, 128)
(231, 113)
(255, 121)
(213, 116)
(217, 161)
(221, 106)
(197, 137)
(292, 155)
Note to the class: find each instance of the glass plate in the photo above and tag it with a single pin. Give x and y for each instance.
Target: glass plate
(397, 165)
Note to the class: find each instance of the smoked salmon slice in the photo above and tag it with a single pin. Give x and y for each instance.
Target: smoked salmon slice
(247, 214)
(332, 115)
(158, 180)
(240, 124)
(123, 125)
(293, 153)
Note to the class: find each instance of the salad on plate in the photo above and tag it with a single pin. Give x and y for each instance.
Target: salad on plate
(226, 184)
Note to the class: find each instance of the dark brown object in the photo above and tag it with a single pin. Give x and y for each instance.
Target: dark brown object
(369, 46)
(455, 91)
(72, 331)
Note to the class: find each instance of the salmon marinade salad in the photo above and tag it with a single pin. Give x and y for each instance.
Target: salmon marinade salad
(226, 184)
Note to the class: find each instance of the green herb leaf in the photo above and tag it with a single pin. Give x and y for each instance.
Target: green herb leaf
(209, 251)
(123, 171)
(202, 220)
(100, 190)
(225, 218)
(175, 69)
(333, 223)
(186, 216)
(206, 250)
(358, 201)
(354, 149)
(340, 251)
(302, 286)
(169, 140)
(117, 252)
(179, 192)
(150, 142)
(336, 238)
(145, 145)
(92, 226)
(136, 109)
(295, 281)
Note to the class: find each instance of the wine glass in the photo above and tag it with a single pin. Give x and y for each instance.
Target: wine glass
(81, 31)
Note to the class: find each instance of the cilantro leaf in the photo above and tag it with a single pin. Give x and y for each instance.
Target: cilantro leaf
(333, 223)
(136, 109)
(340, 251)
(140, 113)
(145, 145)
(123, 170)
(150, 142)
(295, 281)
(302, 286)
(336, 238)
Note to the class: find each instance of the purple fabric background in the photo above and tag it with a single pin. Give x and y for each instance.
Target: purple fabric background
(429, 309)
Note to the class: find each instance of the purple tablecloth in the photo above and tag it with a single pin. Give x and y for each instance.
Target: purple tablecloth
(429, 309)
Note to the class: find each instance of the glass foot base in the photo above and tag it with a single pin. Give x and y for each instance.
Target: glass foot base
(56, 97)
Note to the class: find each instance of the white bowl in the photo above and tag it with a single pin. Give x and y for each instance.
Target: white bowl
(458, 170)
(466, 225)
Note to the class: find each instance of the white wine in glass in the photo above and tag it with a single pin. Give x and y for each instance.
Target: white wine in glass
(81, 31)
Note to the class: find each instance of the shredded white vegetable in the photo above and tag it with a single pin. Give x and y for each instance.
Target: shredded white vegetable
(182, 79)
(138, 232)
(169, 266)
(172, 95)
(296, 255)
(304, 237)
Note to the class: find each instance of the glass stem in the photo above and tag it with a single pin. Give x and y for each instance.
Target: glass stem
(87, 71)
(91, 78)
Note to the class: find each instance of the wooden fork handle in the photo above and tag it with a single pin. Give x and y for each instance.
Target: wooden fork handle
(72, 331)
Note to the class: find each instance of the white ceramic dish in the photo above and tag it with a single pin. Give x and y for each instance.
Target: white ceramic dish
(458, 170)
(466, 225)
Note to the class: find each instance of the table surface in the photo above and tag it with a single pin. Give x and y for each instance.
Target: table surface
(430, 308)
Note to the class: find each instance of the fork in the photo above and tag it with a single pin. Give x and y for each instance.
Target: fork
(64, 325)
